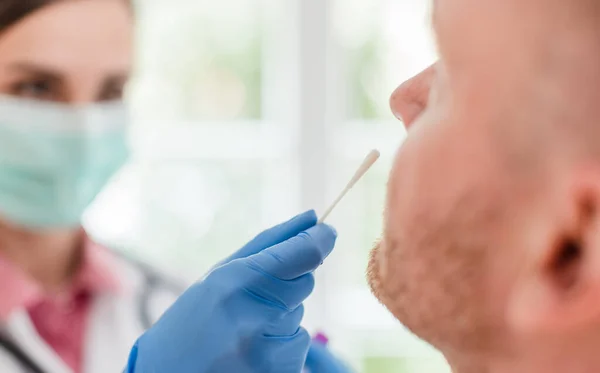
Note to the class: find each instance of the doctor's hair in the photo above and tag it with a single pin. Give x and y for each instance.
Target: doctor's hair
(13, 11)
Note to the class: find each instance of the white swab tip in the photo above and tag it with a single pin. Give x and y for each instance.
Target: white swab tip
(373, 156)
(369, 160)
(366, 164)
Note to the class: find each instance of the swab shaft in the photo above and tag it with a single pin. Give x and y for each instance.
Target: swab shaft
(333, 205)
(370, 159)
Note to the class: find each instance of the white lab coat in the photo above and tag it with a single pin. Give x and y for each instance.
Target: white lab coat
(112, 329)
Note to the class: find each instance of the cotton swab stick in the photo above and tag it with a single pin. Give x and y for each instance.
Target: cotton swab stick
(370, 159)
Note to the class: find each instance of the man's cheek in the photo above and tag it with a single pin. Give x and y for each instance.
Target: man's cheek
(412, 179)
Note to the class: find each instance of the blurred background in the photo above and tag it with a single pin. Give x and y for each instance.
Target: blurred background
(246, 112)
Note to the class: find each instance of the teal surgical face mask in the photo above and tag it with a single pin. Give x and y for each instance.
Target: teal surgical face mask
(55, 159)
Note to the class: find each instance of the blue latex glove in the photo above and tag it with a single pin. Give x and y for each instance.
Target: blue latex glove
(321, 360)
(244, 317)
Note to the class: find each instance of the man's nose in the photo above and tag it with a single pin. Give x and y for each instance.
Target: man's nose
(410, 99)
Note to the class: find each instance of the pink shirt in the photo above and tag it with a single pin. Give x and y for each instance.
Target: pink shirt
(60, 319)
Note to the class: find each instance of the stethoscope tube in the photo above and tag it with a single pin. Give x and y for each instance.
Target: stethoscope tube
(152, 282)
(25, 360)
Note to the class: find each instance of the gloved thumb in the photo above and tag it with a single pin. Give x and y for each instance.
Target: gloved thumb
(280, 354)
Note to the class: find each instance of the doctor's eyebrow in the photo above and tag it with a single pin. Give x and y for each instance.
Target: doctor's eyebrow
(54, 74)
(32, 68)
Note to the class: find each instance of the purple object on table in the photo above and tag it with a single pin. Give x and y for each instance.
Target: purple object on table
(321, 338)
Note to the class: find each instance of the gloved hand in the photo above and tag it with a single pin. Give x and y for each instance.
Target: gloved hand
(273, 236)
(244, 317)
(321, 360)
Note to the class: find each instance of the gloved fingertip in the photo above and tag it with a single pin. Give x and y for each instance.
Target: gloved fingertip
(323, 238)
(335, 232)
(323, 232)
(308, 216)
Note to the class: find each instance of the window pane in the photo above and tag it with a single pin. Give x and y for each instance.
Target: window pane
(382, 42)
(185, 216)
(191, 208)
(199, 60)
(216, 168)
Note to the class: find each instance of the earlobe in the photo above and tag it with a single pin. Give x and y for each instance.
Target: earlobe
(560, 290)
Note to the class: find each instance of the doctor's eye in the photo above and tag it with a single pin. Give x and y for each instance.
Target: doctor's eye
(112, 92)
(113, 88)
(38, 89)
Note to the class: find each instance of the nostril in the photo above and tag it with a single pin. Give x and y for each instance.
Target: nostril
(410, 99)
(566, 262)
(569, 252)
(405, 108)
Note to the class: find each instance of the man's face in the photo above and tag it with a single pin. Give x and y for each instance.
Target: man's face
(469, 177)
(445, 195)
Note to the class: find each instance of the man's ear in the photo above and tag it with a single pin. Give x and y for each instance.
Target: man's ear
(559, 288)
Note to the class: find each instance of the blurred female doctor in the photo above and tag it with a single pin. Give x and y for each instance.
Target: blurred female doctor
(66, 304)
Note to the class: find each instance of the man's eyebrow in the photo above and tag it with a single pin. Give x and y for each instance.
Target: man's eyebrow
(33, 68)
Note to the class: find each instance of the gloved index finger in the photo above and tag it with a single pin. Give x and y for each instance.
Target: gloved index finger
(299, 255)
(275, 235)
